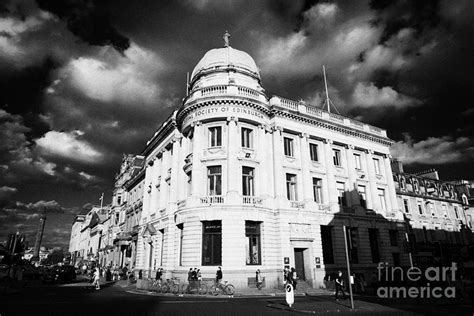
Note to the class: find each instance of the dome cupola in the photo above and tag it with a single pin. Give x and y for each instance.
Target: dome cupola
(225, 65)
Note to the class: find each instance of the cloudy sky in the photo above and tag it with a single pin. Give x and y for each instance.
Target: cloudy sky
(84, 81)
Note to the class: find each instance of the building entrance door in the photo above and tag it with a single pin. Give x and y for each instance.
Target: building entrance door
(299, 263)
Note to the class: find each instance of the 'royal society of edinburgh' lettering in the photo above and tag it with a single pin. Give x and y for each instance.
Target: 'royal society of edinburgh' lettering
(226, 110)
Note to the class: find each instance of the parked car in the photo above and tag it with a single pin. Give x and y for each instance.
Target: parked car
(67, 273)
(59, 274)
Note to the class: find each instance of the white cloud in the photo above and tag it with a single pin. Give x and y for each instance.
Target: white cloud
(111, 77)
(67, 145)
(433, 150)
(368, 95)
(321, 13)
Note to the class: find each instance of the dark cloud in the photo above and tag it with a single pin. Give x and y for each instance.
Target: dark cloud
(88, 21)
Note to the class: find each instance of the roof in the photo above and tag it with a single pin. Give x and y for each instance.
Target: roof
(225, 57)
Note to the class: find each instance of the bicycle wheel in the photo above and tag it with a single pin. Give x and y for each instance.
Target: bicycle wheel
(203, 289)
(216, 290)
(165, 288)
(229, 289)
(174, 288)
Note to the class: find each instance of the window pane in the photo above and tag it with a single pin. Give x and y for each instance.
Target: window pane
(336, 157)
(313, 152)
(252, 247)
(317, 190)
(288, 146)
(211, 243)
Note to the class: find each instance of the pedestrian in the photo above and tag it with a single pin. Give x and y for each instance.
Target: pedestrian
(190, 274)
(158, 275)
(294, 277)
(285, 275)
(258, 279)
(339, 282)
(218, 275)
(194, 274)
(199, 276)
(96, 281)
(140, 274)
(108, 275)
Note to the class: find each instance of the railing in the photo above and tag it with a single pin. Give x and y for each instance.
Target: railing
(247, 92)
(252, 200)
(212, 199)
(289, 104)
(296, 204)
(357, 124)
(336, 118)
(375, 129)
(214, 90)
(314, 111)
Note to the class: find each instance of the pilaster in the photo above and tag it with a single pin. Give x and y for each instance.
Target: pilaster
(372, 180)
(331, 180)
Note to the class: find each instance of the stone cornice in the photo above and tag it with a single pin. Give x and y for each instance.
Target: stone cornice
(331, 126)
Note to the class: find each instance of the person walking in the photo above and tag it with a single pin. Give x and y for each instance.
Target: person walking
(294, 277)
(96, 281)
(339, 282)
(218, 277)
(158, 275)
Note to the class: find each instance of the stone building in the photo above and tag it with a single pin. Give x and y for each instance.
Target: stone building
(437, 221)
(238, 179)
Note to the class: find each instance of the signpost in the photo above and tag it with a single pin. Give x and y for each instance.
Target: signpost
(344, 230)
(290, 294)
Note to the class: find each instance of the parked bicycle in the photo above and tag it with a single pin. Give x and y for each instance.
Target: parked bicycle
(198, 287)
(219, 288)
(155, 285)
(171, 286)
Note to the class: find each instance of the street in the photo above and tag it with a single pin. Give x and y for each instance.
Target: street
(118, 299)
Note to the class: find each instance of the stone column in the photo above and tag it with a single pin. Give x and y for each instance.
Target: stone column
(198, 185)
(353, 193)
(331, 180)
(372, 180)
(278, 172)
(174, 164)
(305, 162)
(234, 171)
(392, 196)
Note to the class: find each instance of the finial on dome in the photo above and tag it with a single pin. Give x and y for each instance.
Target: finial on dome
(226, 39)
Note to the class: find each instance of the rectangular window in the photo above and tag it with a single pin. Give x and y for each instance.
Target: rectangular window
(420, 208)
(119, 200)
(252, 245)
(393, 237)
(336, 157)
(247, 181)
(291, 187)
(432, 210)
(456, 211)
(374, 244)
(377, 166)
(317, 190)
(180, 229)
(381, 194)
(341, 193)
(326, 238)
(190, 183)
(313, 152)
(215, 136)
(211, 243)
(406, 206)
(162, 252)
(358, 163)
(214, 180)
(246, 135)
(288, 146)
(362, 195)
(352, 242)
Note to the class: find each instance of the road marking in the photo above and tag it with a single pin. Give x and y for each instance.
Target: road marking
(184, 302)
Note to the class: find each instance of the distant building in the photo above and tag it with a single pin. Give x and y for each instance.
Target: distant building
(438, 224)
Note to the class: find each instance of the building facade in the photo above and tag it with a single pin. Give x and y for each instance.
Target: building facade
(243, 181)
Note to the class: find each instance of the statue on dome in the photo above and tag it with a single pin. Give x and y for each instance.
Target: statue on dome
(226, 39)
